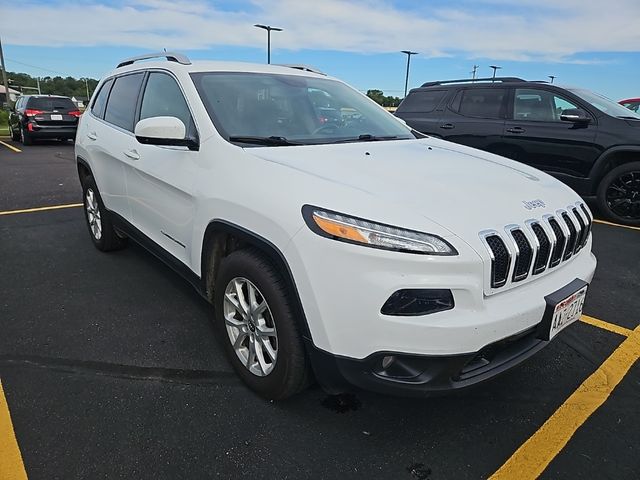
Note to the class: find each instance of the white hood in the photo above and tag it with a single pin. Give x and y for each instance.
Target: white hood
(460, 188)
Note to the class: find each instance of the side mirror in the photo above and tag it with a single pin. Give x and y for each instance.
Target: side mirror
(168, 131)
(575, 115)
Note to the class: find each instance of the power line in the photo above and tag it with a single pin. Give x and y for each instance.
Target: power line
(35, 66)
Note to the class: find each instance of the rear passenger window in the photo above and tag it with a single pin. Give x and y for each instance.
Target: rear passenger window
(480, 102)
(163, 98)
(101, 99)
(422, 102)
(121, 107)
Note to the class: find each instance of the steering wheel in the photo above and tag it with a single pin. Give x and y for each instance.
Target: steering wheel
(326, 128)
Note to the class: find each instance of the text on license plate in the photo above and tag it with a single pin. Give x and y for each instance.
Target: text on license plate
(56, 117)
(567, 311)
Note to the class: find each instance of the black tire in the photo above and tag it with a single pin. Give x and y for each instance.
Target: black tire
(25, 137)
(15, 136)
(291, 372)
(108, 239)
(626, 211)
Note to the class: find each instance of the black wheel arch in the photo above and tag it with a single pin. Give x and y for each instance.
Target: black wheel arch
(610, 159)
(84, 170)
(222, 237)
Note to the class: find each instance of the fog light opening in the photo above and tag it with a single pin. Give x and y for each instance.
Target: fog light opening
(387, 361)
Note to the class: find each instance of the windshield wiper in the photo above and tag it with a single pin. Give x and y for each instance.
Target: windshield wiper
(367, 137)
(274, 141)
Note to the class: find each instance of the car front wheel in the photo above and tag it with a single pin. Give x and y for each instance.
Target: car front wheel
(619, 194)
(255, 318)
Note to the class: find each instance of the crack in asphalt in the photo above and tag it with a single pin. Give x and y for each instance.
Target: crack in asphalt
(127, 372)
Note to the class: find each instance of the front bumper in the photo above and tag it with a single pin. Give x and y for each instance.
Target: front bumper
(423, 375)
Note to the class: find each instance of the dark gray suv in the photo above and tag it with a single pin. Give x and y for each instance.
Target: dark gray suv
(584, 139)
(43, 117)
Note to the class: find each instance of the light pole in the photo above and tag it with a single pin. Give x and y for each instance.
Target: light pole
(408, 53)
(268, 28)
(86, 84)
(495, 67)
(473, 73)
(551, 77)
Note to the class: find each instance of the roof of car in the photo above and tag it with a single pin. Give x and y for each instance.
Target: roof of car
(221, 66)
(630, 100)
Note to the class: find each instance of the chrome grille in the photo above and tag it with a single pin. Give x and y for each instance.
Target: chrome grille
(560, 242)
(500, 260)
(543, 249)
(519, 253)
(524, 255)
(571, 239)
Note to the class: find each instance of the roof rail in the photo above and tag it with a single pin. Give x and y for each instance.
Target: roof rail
(170, 56)
(305, 68)
(473, 80)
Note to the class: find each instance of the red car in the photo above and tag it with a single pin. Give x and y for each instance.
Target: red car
(631, 104)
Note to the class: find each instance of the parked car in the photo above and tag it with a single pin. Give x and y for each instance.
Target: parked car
(631, 103)
(357, 251)
(36, 117)
(584, 139)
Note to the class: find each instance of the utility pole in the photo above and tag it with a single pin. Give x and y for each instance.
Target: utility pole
(86, 84)
(4, 78)
(473, 73)
(268, 28)
(408, 53)
(38, 83)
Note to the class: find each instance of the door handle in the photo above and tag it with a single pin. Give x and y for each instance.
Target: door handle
(516, 130)
(132, 154)
(92, 136)
(447, 126)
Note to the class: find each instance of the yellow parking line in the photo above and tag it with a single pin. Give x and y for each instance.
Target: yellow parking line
(10, 147)
(604, 222)
(533, 457)
(625, 332)
(11, 465)
(41, 209)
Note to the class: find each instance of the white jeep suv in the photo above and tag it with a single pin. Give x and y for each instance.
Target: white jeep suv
(333, 241)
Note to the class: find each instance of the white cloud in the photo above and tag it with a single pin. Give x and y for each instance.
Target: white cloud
(500, 29)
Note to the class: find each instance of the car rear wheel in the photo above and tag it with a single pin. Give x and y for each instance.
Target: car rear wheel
(15, 136)
(619, 194)
(255, 319)
(103, 235)
(25, 137)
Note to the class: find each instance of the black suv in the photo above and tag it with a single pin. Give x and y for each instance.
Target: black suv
(584, 139)
(43, 116)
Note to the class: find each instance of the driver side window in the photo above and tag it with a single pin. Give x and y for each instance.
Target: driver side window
(539, 105)
(163, 98)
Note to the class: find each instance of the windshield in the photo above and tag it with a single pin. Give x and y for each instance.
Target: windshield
(606, 105)
(292, 109)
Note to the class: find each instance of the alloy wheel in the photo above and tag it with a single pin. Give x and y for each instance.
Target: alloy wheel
(623, 195)
(250, 326)
(93, 214)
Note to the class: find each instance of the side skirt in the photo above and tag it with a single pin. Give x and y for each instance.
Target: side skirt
(156, 250)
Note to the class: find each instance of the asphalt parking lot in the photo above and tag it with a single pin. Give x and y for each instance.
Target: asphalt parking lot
(110, 369)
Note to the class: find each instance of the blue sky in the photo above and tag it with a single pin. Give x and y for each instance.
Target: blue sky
(578, 41)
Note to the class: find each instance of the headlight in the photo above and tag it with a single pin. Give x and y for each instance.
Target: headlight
(363, 232)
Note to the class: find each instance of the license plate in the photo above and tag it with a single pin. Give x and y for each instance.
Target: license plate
(56, 117)
(563, 308)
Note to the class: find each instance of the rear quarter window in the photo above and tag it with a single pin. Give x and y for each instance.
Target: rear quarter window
(480, 102)
(49, 104)
(121, 106)
(422, 101)
(101, 99)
